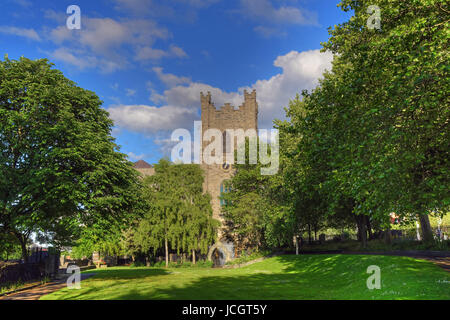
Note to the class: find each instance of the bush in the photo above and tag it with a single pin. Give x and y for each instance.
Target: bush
(186, 264)
(245, 257)
(137, 264)
(12, 273)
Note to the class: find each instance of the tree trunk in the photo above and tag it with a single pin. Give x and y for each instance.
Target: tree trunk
(369, 228)
(363, 232)
(193, 256)
(387, 235)
(427, 233)
(23, 246)
(362, 229)
(166, 246)
(309, 234)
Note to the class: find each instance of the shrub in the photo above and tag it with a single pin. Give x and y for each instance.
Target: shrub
(245, 257)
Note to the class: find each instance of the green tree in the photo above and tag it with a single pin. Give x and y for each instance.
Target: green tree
(9, 247)
(258, 210)
(59, 165)
(396, 104)
(373, 137)
(179, 214)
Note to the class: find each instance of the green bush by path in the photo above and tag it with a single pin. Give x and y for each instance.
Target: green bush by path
(281, 277)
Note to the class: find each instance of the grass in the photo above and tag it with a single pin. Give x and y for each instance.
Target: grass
(249, 257)
(8, 287)
(281, 277)
(378, 245)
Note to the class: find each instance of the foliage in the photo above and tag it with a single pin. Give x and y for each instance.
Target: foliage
(59, 166)
(254, 211)
(9, 247)
(185, 264)
(371, 139)
(245, 257)
(178, 213)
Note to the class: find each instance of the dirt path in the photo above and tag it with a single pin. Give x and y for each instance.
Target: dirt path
(37, 292)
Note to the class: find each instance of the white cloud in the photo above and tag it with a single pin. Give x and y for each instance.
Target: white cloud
(109, 41)
(143, 7)
(60, 17)
(300, 70)
(134, 157)
(169, 79)
(24, 3)
(82, 61)
(130, 92)
(148, 53)
(156, 8)
(149, 119)
(263, 10)
(21, 32)
(199, 3)
(177, 52)
(269, 32)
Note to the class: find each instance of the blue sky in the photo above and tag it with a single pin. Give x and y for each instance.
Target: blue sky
(148, 60)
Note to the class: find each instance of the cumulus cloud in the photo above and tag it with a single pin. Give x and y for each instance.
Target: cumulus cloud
(148, 53)
(134, 157)
(264, 10)
(110, 41)
(175, 9)
(169, 79)
(21, 32)
(23, 3)
(269, 32)
(149, 119)
(83, 60)
(299, 71)
(199, 3)
(130, 92)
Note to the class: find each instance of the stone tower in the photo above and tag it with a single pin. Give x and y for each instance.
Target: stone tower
(227, 117)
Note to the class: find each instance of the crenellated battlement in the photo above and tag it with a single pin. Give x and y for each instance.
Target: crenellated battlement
(227, 116)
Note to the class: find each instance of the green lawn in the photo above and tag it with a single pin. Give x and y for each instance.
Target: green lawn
(282, 277)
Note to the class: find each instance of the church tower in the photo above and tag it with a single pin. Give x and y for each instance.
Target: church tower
(227, 117)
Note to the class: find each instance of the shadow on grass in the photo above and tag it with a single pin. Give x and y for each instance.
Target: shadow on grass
(283, 277)
(311, 277)
(125, 273)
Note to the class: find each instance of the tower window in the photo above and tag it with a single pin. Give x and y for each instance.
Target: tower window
(223, 189)
(226, 142)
